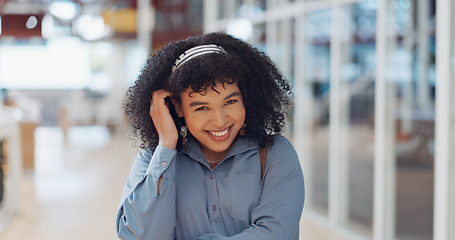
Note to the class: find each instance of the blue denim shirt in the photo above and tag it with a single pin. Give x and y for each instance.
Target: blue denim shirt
(230, 201)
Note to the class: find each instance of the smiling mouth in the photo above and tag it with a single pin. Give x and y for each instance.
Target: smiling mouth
(219, 133)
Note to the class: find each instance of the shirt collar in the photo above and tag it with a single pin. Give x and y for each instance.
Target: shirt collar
(240, 145)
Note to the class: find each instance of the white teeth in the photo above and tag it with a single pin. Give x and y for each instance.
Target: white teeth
(219, 134)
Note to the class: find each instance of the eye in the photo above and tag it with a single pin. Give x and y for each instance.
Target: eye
(201, 108)
(232, 101)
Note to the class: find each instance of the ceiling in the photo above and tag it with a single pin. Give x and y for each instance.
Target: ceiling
(173, 19)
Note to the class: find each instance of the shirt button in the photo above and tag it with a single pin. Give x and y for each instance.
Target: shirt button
(214, 207)
(163, 164)
(211, 176)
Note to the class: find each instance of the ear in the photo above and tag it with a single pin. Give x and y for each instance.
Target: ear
(178, 107)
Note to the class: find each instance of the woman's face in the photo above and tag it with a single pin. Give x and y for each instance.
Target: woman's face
(214, 118)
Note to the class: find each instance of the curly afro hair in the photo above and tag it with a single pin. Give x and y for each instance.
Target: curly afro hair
(265, 92)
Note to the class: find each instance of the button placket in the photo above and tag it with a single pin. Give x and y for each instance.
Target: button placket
(213, 204)
(212, 191)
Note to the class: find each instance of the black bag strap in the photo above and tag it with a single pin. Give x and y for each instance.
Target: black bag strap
(263, 157)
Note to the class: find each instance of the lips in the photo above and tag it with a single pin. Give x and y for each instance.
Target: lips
(220, 135)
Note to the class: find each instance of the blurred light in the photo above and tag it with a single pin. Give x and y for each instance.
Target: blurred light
(0, 25)
(61, 63)
(404, 4)
(91, 27)
(370, 4)
(241, 28)
(63, 10)
(31, 22)
(47, 25)
(252, 12)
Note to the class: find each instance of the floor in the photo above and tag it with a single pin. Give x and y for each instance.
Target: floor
(414, 182)
(74, 190)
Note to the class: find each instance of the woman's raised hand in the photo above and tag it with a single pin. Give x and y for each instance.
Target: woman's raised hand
(159, 111)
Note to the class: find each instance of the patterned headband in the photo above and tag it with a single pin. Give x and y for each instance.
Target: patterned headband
(195, 52)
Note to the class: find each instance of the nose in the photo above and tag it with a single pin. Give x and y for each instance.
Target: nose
(219, 118)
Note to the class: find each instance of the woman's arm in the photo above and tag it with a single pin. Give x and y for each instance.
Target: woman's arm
(145, 212)
(278, 214)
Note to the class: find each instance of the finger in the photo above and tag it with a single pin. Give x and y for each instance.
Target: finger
(160, 94)
(158, 99)
(162, 119)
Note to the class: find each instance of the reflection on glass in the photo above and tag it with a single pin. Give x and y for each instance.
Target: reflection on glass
(220, 9)
(410, 75)
(357, 63)
(317, 74)
(240, 9)
(242, 16)
(258, 37)
(285, 62)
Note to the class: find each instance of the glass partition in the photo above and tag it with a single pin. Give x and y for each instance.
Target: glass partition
(451, 114)
(410, 75)
(357, 96)
(366, 86)
(316, 73)
(258, 38)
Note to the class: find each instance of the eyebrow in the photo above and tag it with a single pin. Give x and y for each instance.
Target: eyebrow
(192, 104)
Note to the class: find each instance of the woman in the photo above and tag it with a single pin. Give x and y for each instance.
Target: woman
(202, 109)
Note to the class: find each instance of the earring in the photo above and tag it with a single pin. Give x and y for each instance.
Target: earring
(242, 130)
(183, 133)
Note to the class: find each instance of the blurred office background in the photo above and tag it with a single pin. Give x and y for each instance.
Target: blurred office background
(373, 120)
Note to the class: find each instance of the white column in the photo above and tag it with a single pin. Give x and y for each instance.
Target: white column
(423, 52)
(343, 23)
(338, 204)
(302, 118)
(117, 72)
(271, 32)
(15, 165)
(285, 45)
(145, 22)
(285, 52)
(210, 9)
(229, 8)
(384, 167)
(443, 206)
(407, 99)
(271, 39)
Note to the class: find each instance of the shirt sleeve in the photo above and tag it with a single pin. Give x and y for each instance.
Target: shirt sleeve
(145, 213)
(278, 214)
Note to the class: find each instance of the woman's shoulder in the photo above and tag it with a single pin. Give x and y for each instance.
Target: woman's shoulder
(280, 142)
(281, 148)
